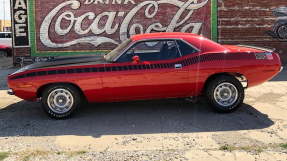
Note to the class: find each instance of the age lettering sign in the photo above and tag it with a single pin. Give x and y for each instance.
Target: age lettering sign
(20, 23)
(89, 26)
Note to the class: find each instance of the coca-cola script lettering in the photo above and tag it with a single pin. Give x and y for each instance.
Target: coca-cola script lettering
(86, 25)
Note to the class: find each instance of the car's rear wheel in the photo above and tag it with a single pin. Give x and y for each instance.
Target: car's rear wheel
(225, 93)
(60, 101)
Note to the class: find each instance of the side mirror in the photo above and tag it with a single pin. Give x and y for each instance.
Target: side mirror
(136, 59)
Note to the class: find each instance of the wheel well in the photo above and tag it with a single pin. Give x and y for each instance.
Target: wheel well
(43, 87)
(238, 76)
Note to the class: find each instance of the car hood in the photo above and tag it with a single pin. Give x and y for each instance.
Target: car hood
(68, 61)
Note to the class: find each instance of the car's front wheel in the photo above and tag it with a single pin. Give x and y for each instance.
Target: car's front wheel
(225, 93)
(60, 101)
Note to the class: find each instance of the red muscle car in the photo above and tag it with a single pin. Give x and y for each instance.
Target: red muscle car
(148, 66)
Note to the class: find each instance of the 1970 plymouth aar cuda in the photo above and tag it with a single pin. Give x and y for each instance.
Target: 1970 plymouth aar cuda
(148, 66)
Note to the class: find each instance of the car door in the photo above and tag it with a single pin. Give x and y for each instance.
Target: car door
(168, 76)
(126, 81)
(159, 72)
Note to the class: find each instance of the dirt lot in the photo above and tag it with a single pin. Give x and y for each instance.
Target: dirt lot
(148, 130)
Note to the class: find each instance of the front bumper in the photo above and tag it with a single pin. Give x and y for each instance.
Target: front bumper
(10, 92)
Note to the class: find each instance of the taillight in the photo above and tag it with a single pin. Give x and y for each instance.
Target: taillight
(264, 56)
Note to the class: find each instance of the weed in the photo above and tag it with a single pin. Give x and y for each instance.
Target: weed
(227, 148)
(3, 155)
(27, 155)
(283, 145)
(255, 148)
(75, 153)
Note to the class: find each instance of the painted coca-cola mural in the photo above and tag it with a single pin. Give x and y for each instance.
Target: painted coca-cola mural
(60, 27)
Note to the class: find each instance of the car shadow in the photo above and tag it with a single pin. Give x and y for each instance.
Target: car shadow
(140, 117)
(282, 76)
(3, 77)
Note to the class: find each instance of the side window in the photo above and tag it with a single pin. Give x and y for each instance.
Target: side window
(152, 51)
(185, 49)
(170, 51)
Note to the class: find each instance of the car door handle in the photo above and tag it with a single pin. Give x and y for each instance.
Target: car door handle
(178, 66)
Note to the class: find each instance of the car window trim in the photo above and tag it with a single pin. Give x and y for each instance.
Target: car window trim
(159, 39)
(148, 40)
(140, 41)
(178, 48)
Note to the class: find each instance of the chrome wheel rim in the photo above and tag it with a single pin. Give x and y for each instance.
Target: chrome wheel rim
(60, 101)
(225, 94)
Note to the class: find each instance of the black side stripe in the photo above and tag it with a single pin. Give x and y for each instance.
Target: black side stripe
(185, 62)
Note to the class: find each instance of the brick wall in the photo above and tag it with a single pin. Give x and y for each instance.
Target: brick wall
(250, 22)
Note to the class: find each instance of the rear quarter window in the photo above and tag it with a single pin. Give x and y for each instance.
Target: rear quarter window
(185, 48)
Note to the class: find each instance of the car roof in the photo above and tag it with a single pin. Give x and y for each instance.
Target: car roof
(162, 35)
(200, 42)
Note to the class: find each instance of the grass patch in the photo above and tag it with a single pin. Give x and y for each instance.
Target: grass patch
(75, 153)
(227, 148)
(284, 146)
(256, 149)
(28, 155)
(81, 152)
(3, 155)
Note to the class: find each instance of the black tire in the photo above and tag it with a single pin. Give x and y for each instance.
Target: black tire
(75, 93)
(279, 31)
(212, 86)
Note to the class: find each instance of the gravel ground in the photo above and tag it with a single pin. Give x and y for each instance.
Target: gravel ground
(148, 130)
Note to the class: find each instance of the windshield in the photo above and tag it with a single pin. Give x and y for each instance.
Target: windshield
(115, 53)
